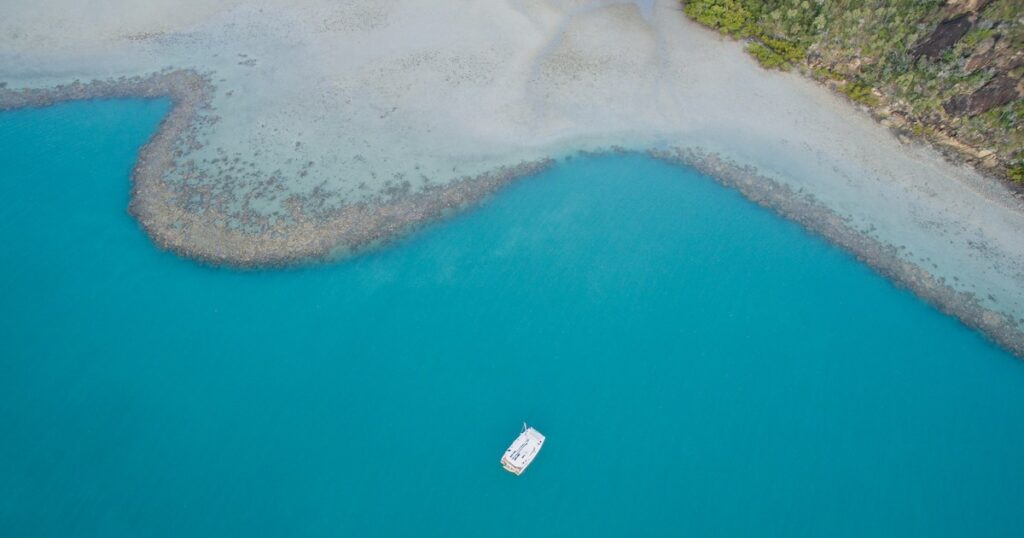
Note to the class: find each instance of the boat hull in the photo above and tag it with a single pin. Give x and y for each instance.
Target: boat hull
(521, 453)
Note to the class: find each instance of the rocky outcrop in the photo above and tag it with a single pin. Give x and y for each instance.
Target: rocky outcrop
(958, 19)
(996, 54)
(968, 56)
(945, 35)
(955, 8)
(998, 92)
(984, 54)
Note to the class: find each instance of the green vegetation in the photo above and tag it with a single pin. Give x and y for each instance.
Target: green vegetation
(976, 36)
(860, 93)
(824, 73)
(790, 51)
(863, 46)
(767, 57)
(728, 16)
(739, 19)
(922, 130)
(1016, 172)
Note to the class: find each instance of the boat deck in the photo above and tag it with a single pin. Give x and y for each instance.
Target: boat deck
(522, 451)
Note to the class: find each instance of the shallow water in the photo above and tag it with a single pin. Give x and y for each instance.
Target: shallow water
(699, 366)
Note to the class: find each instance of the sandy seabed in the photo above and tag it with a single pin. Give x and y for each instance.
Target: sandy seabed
(311, 129)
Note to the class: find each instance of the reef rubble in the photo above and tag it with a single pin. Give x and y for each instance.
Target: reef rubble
(208, 233)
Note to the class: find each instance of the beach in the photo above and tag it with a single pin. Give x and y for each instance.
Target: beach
(309, 131)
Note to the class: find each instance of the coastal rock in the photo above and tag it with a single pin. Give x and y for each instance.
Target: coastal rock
(982, 56)
(999, 57)
(956, 106)
(961, 7)
(945, 35)
(1009, 63)
(997, 92)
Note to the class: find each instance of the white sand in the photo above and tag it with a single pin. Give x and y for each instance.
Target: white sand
(376, 92)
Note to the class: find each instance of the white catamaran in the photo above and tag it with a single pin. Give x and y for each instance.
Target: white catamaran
(522, 451)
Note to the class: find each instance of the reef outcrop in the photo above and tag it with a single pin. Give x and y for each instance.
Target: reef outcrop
(209, 234)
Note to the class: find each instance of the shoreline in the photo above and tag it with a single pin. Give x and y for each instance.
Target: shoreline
(206, 237)
(954, 151)
(952, 129)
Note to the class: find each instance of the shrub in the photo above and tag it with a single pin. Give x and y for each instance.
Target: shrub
(789, 50)
(975, 36)
(1016, 172)
(767, 57)
(824, 73)
(729, 16)
(860, 93)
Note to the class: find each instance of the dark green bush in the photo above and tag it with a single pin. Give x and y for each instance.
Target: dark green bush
(860, 93)
(788, 50)
(824, 73)
(729, 16)
(1016, 172)
(767, 57)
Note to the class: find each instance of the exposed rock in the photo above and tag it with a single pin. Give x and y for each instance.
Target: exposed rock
(1000, 58)
(960, 7)
(1009, 63)
(945, 35)
(997, 92)
(944, 139)
(982, 56)
(956, 106)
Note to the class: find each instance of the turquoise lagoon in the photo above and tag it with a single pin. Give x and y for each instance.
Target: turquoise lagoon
(700, 367)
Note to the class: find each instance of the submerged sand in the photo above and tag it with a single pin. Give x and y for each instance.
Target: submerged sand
(308, 129)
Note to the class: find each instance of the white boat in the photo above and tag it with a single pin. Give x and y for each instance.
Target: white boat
(521, 452)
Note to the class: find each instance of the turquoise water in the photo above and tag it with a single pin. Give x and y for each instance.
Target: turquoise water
(700, 367)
